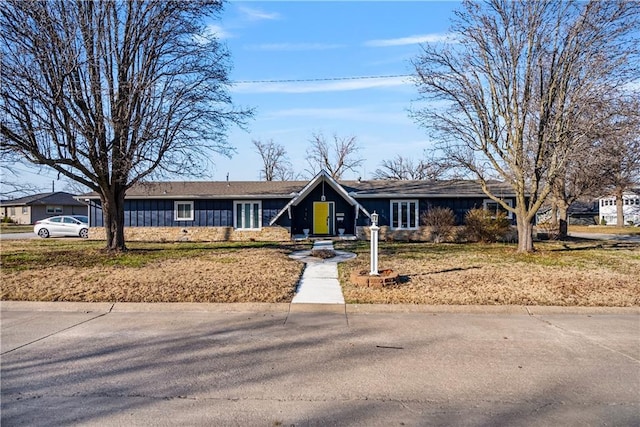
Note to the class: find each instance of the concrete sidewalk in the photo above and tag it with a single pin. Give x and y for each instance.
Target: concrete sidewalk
(270, 364)
(319, 282)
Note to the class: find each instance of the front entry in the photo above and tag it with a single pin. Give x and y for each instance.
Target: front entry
(323, 217)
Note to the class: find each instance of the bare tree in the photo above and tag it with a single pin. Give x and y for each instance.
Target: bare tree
(404, 168)
(336, 158)
(602, 158)
(620, 155)
(11, 186)
(505, 88)
(276, 165)
(108, 93)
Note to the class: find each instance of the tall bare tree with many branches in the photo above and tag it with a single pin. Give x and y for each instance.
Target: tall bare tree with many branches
(276, 165)
(336, 158)
(605, 156)
(108, 93)
(404, 168)
(518, 70)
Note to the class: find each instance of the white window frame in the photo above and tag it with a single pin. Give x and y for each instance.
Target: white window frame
(509, 202)
(176, 211)
(242, 204)
(405, 221)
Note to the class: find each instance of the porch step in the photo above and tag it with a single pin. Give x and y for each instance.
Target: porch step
(302, 237)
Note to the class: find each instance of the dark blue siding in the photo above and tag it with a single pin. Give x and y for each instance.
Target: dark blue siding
(270, 209)
(459, 206)
(160, 213)
(303, 213)
(219, 213)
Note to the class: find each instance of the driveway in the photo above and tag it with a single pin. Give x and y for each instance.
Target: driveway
(600, 236)
(17, 236)
(268, 364)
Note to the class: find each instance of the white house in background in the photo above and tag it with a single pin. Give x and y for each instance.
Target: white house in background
(630, 208)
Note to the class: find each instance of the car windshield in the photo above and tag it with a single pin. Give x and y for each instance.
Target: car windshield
(82, 218)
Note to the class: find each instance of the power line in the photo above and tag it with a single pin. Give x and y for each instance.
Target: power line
(324, 79)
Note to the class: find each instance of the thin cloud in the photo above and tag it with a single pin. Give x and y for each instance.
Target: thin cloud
(417, 39)
(252, 14)
(319, 86)
(217, 31)
(348, 114)
(291, 47)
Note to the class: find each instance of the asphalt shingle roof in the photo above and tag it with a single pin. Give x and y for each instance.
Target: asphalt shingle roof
(288, 189)
(58, 198)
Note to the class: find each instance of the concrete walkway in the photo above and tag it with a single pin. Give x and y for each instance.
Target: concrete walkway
(319, 283)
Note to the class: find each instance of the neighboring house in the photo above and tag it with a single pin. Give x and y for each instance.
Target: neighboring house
(580, 212)
(630, 208)
(280, 210)
(29, 209)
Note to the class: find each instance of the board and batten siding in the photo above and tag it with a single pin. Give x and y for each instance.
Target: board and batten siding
(160, 212)
(459, 206)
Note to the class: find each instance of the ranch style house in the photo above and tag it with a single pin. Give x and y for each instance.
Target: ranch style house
(285, 210)
(29, 209)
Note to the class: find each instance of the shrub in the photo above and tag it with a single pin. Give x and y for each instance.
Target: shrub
(7, 220)
(441, 221)
(603, 221)
(485, 226)
(323, 253)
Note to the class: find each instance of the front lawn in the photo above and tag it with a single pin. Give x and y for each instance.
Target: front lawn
(78, 270)
(582, 273)
(577, 273)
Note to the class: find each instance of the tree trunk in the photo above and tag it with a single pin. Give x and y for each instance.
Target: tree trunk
(619, 208)
(563, 219)
(525, 233)
(113, 214)
(554, 213)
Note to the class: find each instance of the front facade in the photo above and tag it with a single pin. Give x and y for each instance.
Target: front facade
(630, 208)
(270, 210)
(29, 209)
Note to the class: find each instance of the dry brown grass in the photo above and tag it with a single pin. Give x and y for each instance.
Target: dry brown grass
(560, 274)
(573, 273)
(80, 271)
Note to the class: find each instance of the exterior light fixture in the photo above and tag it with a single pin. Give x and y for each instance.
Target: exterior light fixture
(374, 218)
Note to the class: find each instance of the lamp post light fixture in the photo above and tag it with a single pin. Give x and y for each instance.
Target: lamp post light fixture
(374, 244)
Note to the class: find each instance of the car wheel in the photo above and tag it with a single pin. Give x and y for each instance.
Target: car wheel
(84, 233)
(43, 232)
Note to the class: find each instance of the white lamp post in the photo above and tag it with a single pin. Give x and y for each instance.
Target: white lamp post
(374, 244)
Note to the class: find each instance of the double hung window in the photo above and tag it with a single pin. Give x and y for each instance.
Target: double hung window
(404, 214)
(495, 208)
(183, 211)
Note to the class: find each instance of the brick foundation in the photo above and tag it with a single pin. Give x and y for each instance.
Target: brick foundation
(422, 234)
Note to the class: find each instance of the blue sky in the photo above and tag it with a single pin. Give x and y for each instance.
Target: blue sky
(323, 40)
(307, 40)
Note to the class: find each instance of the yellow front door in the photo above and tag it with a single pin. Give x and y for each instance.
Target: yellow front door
(320, 217)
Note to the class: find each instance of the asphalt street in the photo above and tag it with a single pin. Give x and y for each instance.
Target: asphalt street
(306, 365)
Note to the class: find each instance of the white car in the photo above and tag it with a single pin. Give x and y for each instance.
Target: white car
(65, 225)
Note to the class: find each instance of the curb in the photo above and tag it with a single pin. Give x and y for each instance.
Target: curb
(132, 307)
